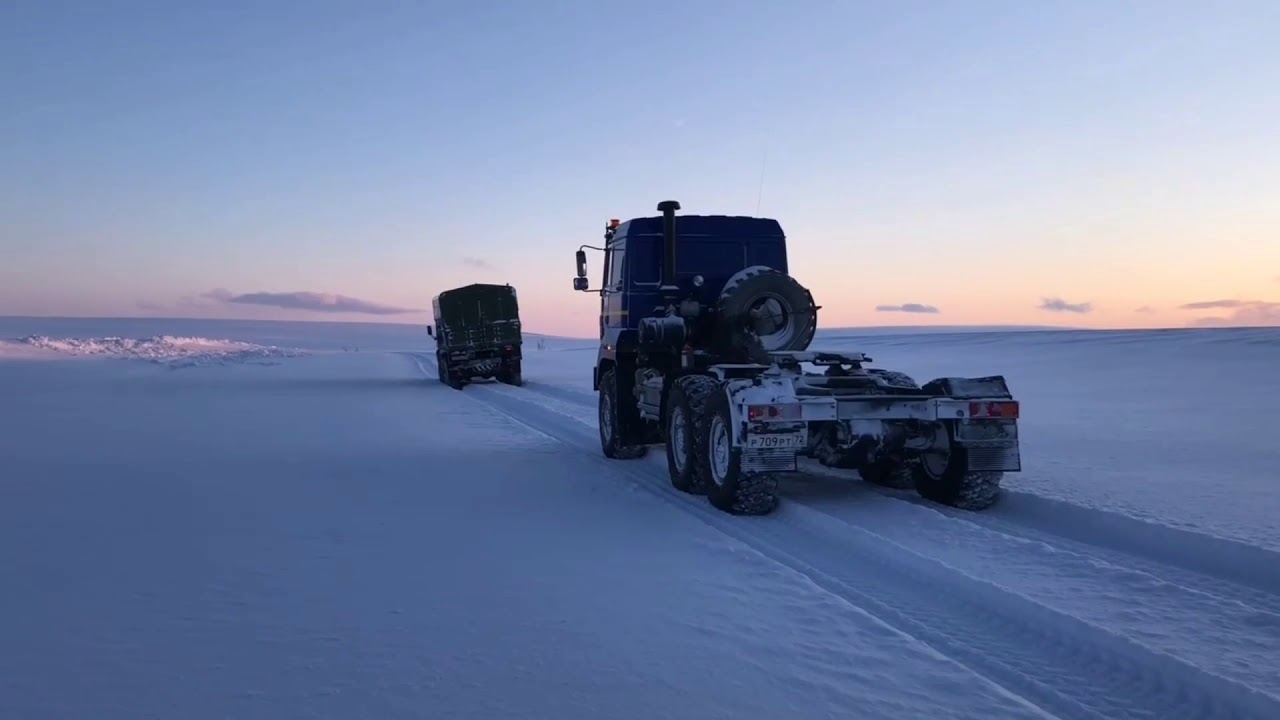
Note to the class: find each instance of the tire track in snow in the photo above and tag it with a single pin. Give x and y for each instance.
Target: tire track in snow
(580, 397)
(1228, 560)
(1231, 571)
(1221, 627)
(510, 402)
(1222, 636)
(1245, 574)
(1241, 569)
(1054, 659)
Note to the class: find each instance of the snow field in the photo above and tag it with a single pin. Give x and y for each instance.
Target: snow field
(340, 534)
(1202, 632)
(343, 536)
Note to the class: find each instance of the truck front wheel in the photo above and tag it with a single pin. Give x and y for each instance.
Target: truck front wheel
(610, 413)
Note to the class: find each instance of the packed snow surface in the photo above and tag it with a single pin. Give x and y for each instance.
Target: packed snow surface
(305, 523)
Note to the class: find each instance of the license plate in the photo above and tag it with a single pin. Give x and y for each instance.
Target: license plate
(788, 441)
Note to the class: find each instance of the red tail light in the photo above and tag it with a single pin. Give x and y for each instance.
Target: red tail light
(1005, 409)
(788, 411)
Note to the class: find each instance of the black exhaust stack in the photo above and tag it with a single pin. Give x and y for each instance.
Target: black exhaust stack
(668, 209)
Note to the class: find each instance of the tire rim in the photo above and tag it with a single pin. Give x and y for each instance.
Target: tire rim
(606, 417)
(679, 429)
(771, 321)
(719, 450)
(934, 460)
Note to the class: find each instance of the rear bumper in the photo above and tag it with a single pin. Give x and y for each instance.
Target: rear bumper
(881, 407)
(772, 443)
(510, 351)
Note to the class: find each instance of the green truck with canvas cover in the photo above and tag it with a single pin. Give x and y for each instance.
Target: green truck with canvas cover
(477, 333)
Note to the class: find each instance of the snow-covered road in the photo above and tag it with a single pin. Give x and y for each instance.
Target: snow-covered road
(1110, 628)
(339, 535)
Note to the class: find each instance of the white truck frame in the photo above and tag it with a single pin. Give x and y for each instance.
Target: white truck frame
(963, 430)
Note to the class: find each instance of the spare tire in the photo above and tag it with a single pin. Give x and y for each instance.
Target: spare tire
(771, 306)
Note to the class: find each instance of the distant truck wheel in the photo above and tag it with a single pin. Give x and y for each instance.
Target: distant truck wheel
(608, 419)
(450, 376)
(728, 487)
(686, 415)
(440, 368)
(945, 479)
(510, 373)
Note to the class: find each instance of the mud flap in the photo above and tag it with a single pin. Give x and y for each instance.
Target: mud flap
(990, 445)
(768, 460)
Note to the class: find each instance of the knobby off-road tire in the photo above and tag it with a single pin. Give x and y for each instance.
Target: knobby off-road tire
(891, 472)
(456, 378)
(770, 306)
(510, 373)
(728, 487)
(686, 432)
(952, 484)
(608, 415)
(448, 375)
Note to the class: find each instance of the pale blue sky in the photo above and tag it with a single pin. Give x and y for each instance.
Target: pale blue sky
(977, 157)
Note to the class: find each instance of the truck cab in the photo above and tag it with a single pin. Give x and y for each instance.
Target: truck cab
(711, 250)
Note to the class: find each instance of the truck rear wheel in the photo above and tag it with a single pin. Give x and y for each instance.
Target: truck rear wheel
(686, 415)
(890, 472)
(728, 487)
(510, 373)
(449, 376)
(945, 478)
(609, 417)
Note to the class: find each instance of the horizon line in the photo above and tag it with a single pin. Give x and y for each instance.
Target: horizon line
(1002, 327)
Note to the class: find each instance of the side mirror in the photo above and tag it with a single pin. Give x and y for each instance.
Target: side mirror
(429, 331)
(580, 284)
(582, 263)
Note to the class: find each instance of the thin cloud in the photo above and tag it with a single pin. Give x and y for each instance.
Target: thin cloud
(149, 306)
(1214, 304)
(311, 301)
(219, 294)
(1145, 309)
(1060, 305)
(477, 262)
(908, 308)
(1246, 313)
